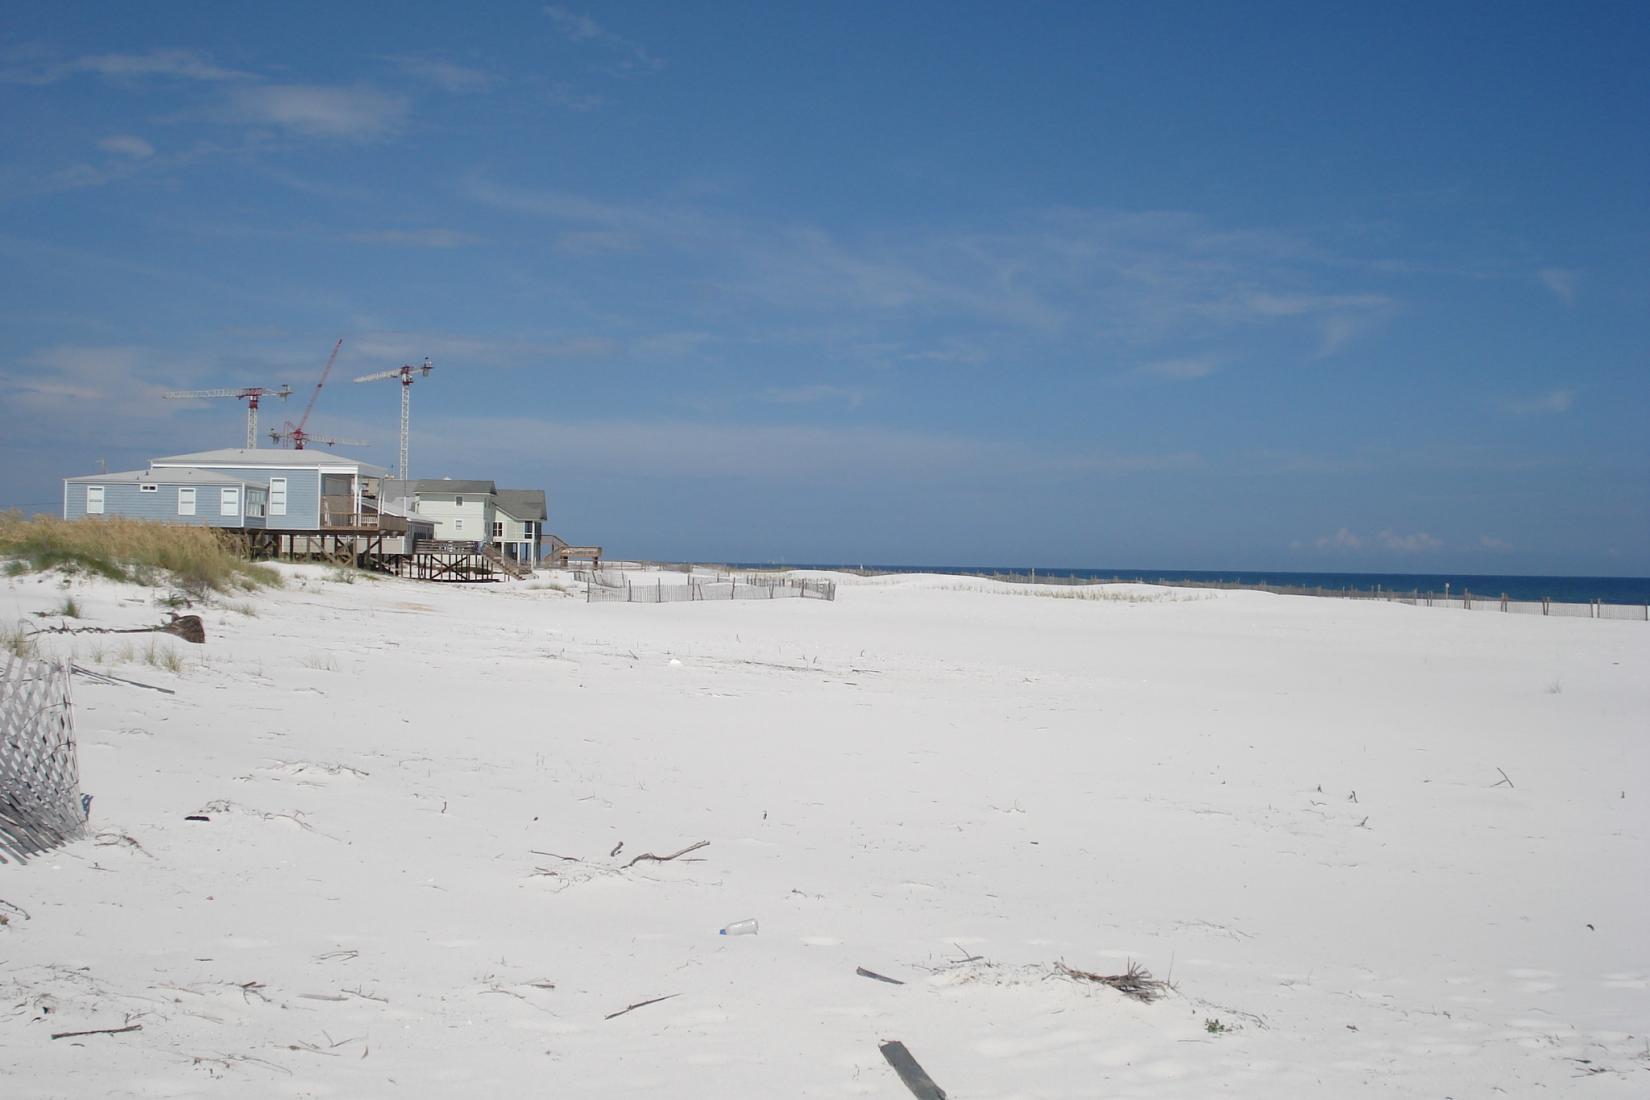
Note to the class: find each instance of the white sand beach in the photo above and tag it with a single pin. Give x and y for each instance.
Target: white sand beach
(423, 802)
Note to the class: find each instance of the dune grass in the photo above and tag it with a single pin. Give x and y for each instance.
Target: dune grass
(197, 559)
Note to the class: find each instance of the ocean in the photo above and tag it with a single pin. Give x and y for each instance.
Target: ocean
(1613, 590)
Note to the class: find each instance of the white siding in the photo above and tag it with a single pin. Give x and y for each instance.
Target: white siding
(471, 521)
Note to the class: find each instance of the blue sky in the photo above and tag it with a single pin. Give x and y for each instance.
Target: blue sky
(1287, 286)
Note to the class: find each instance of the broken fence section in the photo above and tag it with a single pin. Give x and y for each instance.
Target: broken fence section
(40, 802)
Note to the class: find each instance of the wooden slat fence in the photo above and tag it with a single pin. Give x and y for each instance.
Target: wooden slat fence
(40, 803)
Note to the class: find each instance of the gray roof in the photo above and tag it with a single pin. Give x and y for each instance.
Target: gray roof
(523, 503)
(449, 485)
(269, 456)
(180, 476)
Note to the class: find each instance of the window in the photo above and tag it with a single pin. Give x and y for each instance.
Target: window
(94, 500)
(277, 496)
(148, 487)
(498, 529)
(186, 500)
(458, 525)
(255, 503)
(458, 502)
(230, 504)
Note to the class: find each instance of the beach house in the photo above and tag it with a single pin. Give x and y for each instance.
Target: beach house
(510, 520)
(518, 523)
(309, 490)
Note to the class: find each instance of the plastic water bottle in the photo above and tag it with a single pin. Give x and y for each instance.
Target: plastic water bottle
(740, 928)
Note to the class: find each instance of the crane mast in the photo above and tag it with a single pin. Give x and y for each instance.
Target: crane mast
(406, 375)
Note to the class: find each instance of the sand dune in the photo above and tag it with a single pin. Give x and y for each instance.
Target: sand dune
(411, 879)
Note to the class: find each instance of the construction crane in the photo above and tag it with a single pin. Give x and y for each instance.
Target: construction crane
(295, 432)
(406, 375)
(249, 394)
(284, 437)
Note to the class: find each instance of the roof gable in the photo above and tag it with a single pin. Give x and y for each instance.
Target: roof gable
(526, 504)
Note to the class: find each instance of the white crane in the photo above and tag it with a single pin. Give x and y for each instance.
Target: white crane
(406, 376)
(250, 394)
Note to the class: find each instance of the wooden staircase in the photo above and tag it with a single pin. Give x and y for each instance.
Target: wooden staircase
(510, 568)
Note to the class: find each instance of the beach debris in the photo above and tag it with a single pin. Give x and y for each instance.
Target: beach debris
(188, 627)
(1505, 779)
(915, 1077)
(104, 678)
(617, 848)
(639, 1004)
(97, 1031)
(103, 840)
(1136, 981)
(739, 928)
(18, 909)
(872, 974)
(196, 817)
(666, 859)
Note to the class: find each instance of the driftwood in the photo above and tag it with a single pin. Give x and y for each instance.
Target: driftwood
(98, 1031)
(671, 856)
(915, 1077)
(639, 1004)
(105, 678)
(864, 973)
(188, 627)
(1136, 982)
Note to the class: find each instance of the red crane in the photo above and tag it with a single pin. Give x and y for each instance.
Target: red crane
(295, 432)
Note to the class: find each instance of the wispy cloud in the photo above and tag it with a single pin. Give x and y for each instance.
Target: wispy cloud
(1345, 540)
(764, 452)
(127, 145)
(82, 379)
(1495, 545)
(1179, 370)
(384, 347)
(811, 395)
(356, 112)
(1553, 401)
(628, 58)
(417, 238)
(449, 76)
(163, 64)
(1125, 284)
(565, 95)
(1416, 543)
(1561, 281)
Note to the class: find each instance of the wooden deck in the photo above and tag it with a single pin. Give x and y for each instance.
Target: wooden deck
(383, 548)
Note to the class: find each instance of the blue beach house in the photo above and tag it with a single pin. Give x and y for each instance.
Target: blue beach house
(274, 490)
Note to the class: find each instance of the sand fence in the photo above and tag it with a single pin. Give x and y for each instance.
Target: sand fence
(614, 586)
(40, 802)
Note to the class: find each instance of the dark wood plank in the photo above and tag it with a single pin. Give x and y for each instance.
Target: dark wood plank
(915, 1077)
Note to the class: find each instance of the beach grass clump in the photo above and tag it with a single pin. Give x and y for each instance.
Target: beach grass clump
(16, 640)
(197, 559)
